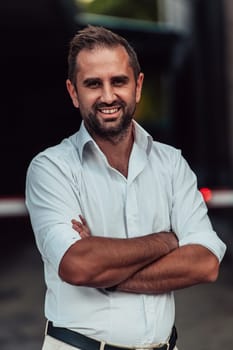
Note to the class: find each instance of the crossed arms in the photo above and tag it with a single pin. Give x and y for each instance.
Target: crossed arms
(150, 264)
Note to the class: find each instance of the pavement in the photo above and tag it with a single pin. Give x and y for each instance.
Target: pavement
(204, 313)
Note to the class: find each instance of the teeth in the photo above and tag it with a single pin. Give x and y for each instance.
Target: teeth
(109, 111)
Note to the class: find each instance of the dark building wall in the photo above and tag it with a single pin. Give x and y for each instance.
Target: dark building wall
(35, 108)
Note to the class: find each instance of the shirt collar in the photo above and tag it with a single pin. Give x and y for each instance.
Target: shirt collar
(82, 138)
(142, 138)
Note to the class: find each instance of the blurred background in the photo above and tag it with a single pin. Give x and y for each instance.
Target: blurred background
(185, 49)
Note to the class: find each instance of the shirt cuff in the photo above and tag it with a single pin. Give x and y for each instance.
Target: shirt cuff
(208, 240)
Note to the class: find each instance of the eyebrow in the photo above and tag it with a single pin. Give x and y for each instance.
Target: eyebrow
(123, 78)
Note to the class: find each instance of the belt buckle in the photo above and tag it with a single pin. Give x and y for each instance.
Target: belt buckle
(167, 345)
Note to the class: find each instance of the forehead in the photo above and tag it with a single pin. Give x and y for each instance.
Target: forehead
(103, 60)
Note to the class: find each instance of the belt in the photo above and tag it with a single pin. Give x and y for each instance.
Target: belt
(85, 343)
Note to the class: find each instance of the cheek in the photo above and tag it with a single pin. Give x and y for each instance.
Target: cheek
(128, 96)
(84, 102)
(87, 98)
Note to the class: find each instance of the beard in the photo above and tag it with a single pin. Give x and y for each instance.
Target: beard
(103, 129)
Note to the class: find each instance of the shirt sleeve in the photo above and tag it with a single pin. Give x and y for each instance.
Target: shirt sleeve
(189, 216)
(52, 201)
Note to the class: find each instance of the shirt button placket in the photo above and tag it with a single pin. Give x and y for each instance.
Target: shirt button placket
(131, 211)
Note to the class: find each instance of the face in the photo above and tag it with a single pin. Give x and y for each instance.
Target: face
(106, 91)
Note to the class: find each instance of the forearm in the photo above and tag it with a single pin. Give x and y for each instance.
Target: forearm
(183, 267)
(102, 262)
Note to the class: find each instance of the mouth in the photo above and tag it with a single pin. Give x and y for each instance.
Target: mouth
(109, 112)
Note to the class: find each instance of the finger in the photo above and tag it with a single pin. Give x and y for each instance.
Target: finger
(77, 226)
(82, 234)
(81, 231)
(81, 228)
(83, 220)
(86, 233)
(74, 221)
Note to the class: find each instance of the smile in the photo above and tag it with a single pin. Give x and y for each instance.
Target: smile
(109, 110)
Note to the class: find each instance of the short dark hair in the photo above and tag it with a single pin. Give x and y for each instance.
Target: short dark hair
(93, 36)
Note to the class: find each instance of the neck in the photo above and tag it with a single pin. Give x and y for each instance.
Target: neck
(118, 149)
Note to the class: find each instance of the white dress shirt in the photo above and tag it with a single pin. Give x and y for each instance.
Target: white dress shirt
(159, 194)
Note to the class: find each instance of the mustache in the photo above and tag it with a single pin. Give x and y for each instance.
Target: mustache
(117, 103)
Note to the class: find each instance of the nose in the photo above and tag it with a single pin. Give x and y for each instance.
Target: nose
(107, 95)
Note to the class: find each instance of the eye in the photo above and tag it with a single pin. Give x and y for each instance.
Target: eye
(92, 83)
(119, 81)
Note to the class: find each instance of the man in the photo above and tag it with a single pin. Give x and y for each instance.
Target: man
(143, 229)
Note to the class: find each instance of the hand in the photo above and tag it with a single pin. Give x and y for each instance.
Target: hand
(81, 227)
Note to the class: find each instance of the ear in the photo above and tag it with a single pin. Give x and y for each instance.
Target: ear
(139, 86)
(72, 92)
